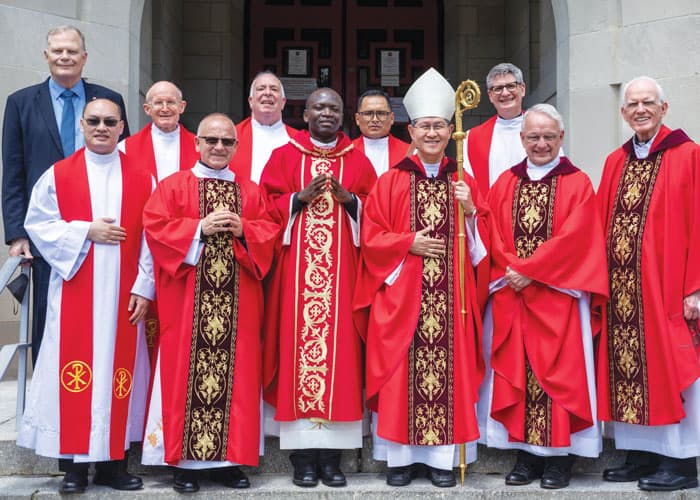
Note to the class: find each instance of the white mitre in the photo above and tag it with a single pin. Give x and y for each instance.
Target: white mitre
(430, 95)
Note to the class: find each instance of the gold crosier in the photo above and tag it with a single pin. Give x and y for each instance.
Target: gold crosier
(467, 97)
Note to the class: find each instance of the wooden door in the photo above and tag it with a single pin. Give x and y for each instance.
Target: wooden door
(342, 44)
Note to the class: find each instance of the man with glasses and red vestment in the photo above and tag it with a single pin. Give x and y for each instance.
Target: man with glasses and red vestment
(375, 118)
(88, 392)
(212, 243)
(648, 357)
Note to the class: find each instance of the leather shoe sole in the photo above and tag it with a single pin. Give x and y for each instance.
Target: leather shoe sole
(126, 482)
(667, 481)
(185, 483)
(71, 483)
(442, 478)
(550, 483)
(628, 472)
(398, 476)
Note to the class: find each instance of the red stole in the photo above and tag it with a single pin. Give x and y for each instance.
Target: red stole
(76, 321)
(478, 149)
(140, 146)
(243, 159)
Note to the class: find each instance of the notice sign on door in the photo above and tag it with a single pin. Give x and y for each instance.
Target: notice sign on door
(389, 68)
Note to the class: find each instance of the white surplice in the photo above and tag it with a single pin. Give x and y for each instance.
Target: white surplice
(166, 151)
(585, 443)
(266, 138)
(64, 245)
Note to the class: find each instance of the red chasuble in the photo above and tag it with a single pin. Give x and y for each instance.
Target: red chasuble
(397, 148)
(651, 213)
(312, 353)
(394, 361)
(478, 151)
(73, 196)
(139, 147)
(243, 158)
(537, 332)
(171, 218)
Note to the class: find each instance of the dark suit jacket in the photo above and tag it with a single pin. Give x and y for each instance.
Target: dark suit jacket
(31, 143)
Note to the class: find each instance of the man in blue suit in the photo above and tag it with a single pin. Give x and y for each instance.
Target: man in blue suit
(41, 127)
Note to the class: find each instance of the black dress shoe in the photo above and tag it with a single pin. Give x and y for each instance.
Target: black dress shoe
(524, 472)
(231, 477)
(442, 478)
(185, 481)
(73, 482)
(122, 480)
(305, 475)
(628, 472)
(399, 476)
(331, 475)
(665, 480)
(557, 473)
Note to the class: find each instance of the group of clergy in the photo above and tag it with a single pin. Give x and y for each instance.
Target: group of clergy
(298, 278)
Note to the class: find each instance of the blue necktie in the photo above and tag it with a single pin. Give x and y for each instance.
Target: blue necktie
(68, 123)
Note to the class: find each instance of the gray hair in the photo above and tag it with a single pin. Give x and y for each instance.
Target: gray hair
(545, 109)
(503, 69)
(62, 29)
(659, 91)
(262, 73)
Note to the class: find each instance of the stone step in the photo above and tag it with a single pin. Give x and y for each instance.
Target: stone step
(366, 486)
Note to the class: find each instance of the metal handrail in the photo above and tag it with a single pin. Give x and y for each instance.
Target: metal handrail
(21, 348)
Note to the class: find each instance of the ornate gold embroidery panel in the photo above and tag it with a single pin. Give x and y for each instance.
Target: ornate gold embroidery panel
(214, 328)
(318, 281)
(431, 374)
(533, 216)
(626, 346)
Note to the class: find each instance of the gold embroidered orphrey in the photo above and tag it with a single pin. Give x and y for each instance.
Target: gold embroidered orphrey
(214, 328)
(533, 216)
(431, 354)
(316, 337)
(629, 390)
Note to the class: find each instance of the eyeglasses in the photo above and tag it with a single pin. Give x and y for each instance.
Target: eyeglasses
(536, 138)
(510, 87)
(109, 122)
(427, 127)
(379, 115)
(213, 141)
(644, 104)
(164, 104)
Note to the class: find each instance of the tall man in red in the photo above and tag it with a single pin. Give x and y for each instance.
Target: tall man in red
(263, 131)
(375, 118)
(312, 354)
(212, 244)
(163, 147)
(547, 256)
(648, 364)
(494, 146)
(423, 355)
(88, 392)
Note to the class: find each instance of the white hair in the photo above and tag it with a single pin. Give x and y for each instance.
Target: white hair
(262, 73)
(545, 109)
(659, 90)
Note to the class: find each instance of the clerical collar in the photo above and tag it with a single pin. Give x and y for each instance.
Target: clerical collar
(278, 124)
(101, 159)
(162, 133)
(324, 145)
(201, 169)
(431, 169)
(516, 122)
(641, 149)
(537, 172)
